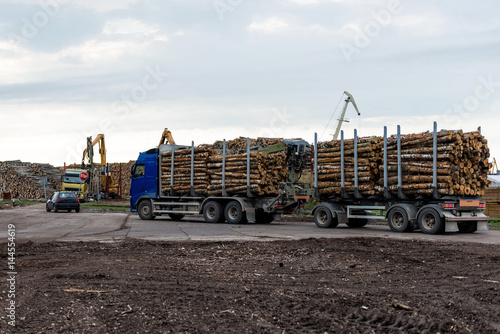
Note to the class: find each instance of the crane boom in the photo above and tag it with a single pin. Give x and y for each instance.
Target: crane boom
(166, 137)
(102, 149)
(350, 98)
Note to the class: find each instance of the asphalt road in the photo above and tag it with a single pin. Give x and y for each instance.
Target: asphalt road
(35, 224)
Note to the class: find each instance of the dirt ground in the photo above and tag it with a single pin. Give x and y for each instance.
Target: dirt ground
(356, 285)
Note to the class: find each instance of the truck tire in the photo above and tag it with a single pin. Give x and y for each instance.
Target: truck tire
(145, 210)
(324, 219)
(262, 217)
(430, 222)
(398, 220)
(213, 212)
(234, 213)
(467, 227)
(176, 216)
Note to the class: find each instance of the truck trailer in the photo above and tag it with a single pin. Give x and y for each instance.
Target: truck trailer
(433, 213)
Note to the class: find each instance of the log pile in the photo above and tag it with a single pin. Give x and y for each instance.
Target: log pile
(23, 179)
(492, 198)
(239, 144)
(124, 180)
(267, 170)
(182, 171)
(462, 165)
(329, 166)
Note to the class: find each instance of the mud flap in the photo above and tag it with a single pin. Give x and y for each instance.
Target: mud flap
(483, 226)
(451, 226)
(249, 209)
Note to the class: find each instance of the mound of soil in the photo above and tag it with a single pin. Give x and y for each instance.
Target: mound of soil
(357, 285)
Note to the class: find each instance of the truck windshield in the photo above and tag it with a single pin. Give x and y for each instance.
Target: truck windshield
(72, 178)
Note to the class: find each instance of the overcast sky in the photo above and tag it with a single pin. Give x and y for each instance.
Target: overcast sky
(214, 69)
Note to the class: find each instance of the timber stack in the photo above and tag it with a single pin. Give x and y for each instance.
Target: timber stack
(239, 145)
(23, 179)
(182, 170)
(462, 165)
(267, 170)
(492, 198)
(329, 166)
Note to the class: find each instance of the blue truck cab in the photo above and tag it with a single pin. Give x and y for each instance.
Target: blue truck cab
(144, 178)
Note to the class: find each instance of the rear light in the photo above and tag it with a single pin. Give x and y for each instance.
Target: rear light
(482, 205)
(448, 205)
(58, 201)
(77, 200)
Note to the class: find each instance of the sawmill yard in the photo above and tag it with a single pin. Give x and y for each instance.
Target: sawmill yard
(106, 270)
(331, 283)
(351, 285)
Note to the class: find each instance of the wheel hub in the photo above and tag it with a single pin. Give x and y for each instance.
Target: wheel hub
(428, 221)
(397, 220)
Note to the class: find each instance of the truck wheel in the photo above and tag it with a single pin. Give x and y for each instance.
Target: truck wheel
(145, 210)
(467, 227)
(234, 213)
(398, 220)
(213, 213)
(262, 217)
(430, 222)
(324, 219)
(176, 216)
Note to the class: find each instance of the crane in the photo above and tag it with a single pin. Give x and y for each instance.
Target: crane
(90, 152)
(494, 167)
(107, 184)
(341, 120)
(166, 138)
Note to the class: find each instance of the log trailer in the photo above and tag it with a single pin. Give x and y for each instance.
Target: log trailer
(150, 199)
(432, 215)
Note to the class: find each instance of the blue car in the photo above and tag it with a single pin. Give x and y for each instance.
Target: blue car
(63, 200)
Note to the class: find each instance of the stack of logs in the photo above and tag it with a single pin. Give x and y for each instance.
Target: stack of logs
(182, 171)
(329, 166)
(267, 170)
(22, 179)
(239, 145)
(462, 165)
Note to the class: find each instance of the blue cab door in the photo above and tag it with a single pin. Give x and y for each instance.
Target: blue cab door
(144, 178)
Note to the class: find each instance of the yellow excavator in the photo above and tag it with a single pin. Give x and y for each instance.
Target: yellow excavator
(166, 138)
(106, 182)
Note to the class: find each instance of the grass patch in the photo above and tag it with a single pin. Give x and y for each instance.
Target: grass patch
(495, 222)
(106, 205)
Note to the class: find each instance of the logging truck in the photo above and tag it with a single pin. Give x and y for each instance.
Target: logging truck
(422, 183)
(171, 180)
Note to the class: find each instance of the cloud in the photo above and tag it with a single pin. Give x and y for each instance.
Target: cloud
(269, 25)
(429, 24)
